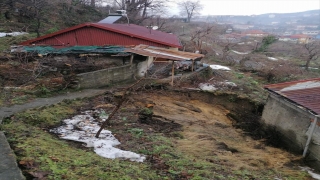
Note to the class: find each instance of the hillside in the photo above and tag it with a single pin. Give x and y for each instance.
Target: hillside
(307, 17)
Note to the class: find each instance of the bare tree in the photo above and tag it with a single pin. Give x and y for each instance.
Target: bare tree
(199, 37)
(139, 10)
(312, 52)
(35, 11)
(190, 8)
(93, 3)
(6, 6)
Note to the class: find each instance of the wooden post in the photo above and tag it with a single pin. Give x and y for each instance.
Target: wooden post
(172, 73)
(314, 123)
(192, 66)
(131, 59)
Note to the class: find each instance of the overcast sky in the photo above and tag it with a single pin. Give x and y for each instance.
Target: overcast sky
(250, 7)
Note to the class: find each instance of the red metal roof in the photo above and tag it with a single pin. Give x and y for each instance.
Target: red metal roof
(304, 93)
(298, 36)
(254, 32)
(128, 30)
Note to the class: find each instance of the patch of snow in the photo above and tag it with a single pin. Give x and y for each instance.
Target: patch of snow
(273, 59)
(240, 52)
(207, 87)
(231, 84)
(12, 34)
(218, 67)
(82, 128)
(310, 171)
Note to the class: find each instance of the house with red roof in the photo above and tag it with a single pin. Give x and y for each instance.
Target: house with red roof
(255, 33)
(297, 38)
(103, 34)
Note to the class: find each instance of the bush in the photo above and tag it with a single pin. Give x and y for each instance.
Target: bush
(280, 72)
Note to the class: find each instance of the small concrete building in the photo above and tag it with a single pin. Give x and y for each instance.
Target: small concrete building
(293, 109)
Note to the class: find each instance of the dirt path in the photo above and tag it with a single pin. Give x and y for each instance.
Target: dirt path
(8, 111)
(8, 166)
(208, 134)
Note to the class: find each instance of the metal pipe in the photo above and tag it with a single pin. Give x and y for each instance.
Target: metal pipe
(313, 126)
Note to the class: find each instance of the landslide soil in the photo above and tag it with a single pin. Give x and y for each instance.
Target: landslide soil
(208, 133)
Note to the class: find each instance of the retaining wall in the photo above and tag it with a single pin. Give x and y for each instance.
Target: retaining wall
(106, 77)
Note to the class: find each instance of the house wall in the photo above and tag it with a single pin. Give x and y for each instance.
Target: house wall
(293, 125)
(106, 77)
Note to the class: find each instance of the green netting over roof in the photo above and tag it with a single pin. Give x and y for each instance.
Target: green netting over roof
(74, 49)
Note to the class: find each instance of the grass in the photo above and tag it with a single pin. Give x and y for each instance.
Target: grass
(38, 151)
(6, 42)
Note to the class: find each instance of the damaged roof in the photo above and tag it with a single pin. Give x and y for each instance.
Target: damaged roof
(304, 93)
(164, 53)
(97, 34)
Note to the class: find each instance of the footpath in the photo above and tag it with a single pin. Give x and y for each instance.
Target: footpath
(9, 169)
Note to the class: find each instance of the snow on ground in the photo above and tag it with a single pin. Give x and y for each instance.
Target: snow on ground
(211, 87)
(310, 171)
(12, 34)
(272, 58)
(207, 87)
(82, 128)
(219, 67)
(240, 52)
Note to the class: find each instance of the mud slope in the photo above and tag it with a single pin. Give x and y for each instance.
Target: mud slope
(208, 133)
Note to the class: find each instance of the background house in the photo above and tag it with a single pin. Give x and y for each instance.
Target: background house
(297, 38)
(255, 33)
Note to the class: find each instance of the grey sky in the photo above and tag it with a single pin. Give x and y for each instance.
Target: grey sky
(250, 7)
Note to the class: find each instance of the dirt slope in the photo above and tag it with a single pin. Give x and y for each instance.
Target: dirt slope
(208, 134)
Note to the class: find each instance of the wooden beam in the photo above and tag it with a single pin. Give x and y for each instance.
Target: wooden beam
(131, 59)
(172, 73)
(313, 126)
(192, 65)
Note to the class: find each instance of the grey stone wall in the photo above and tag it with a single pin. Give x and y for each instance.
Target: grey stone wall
(106, 77)
(293, 123)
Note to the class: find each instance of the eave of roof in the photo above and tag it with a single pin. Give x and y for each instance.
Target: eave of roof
(163, 53)
(101, 26)
(305, 93)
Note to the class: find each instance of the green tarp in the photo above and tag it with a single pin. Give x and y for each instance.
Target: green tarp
(43, 50)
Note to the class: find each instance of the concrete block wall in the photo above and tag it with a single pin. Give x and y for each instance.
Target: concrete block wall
(293, 123)
(106, 77)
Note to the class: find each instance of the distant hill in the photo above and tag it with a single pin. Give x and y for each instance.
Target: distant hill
(311, 17)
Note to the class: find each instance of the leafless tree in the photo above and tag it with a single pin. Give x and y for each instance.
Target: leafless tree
(190, 8)
(34, 10)
(6, 6)
(312, 52)
(139, 10)
(199, 37)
